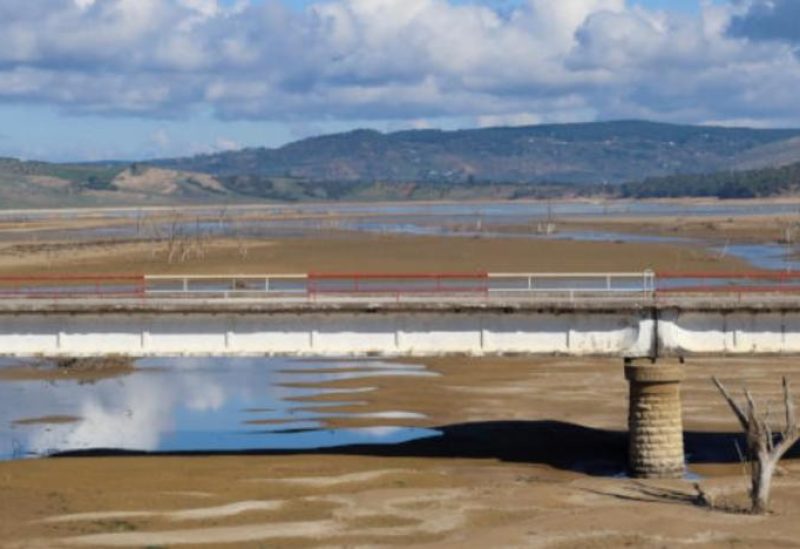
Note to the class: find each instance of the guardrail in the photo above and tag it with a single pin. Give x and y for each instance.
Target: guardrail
(645, 285)
(397, 284)
(72, 286)
(573, 283)
(721, 283)
(328, 285)
(225, 286)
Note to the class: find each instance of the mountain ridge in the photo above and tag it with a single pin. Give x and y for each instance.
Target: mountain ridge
(594, 152)
(621, 158)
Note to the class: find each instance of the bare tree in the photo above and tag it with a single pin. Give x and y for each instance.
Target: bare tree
(764, 448)
(174, 239)
(139, 222)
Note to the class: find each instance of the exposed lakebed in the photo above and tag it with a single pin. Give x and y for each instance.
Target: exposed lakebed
(471, 220)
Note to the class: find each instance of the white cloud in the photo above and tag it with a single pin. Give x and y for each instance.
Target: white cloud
(402, 59)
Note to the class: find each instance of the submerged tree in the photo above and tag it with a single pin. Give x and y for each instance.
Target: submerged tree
(764, 448)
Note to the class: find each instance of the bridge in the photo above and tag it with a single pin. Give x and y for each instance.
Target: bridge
(642, 315)
(617, 314)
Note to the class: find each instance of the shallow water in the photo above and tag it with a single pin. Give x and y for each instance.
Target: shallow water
(214, 404)
(482, 208)
(224, 220)
(764, 256)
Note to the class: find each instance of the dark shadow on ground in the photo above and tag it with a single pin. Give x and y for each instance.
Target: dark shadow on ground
(641, 492)
(565, 446)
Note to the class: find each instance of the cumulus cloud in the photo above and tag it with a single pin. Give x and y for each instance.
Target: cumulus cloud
(405, 60)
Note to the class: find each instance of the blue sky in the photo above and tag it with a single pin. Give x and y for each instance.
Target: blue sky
(99, 79)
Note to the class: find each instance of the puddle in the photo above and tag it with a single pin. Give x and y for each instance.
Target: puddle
(765, 256)
(214, 404)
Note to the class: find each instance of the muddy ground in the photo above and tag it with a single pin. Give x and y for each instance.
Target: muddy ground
(530, 457)
(353, 252)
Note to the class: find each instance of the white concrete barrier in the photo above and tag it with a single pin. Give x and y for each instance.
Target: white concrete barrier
(731, 332)
(325, 334)
(626, 331)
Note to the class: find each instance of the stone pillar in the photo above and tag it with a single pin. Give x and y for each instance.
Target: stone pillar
(655, 421)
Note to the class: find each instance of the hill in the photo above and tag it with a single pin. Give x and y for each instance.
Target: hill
(42, 185)
(647, 160)
(604, 152)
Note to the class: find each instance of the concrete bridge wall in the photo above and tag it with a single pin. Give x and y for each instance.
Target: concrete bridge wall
(326, 334)
(627, 332)
(730, 331)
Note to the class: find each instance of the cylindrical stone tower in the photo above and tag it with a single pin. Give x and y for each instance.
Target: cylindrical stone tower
(655, 421)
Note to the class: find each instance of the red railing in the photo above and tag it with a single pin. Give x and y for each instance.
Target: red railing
(389, 283)
(730, 283)
(72, 286)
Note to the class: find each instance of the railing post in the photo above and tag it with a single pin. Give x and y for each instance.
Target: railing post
(649, 282)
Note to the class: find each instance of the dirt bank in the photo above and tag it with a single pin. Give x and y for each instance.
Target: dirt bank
(84, 370)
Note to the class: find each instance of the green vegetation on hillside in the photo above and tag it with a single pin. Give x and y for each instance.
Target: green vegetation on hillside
(648, 160)
(607, 152)
(287, 189)
(94, 176)
(749, 184)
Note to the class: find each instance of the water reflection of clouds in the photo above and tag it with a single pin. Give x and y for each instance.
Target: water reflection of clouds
(193, 404)
(140, 413)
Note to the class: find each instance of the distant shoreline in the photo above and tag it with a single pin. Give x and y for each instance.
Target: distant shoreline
(259, 205)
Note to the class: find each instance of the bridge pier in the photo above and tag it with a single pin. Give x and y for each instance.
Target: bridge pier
(655, 423)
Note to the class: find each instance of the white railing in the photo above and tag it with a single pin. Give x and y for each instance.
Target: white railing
(573, 283)
(226, 286)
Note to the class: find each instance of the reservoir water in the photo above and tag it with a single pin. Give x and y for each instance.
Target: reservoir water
(205, 405)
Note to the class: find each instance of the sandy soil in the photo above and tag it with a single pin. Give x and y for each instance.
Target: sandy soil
(526, 445)
(350, 252)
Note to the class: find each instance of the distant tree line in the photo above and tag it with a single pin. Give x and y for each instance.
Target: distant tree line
(747, 184)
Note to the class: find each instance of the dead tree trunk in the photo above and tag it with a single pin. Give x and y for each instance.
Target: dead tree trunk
(764, 449)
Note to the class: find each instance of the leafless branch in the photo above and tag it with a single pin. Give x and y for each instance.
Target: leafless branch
(737, 410)
(763, 454)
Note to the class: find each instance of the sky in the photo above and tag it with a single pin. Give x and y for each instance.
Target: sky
(135, 79)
